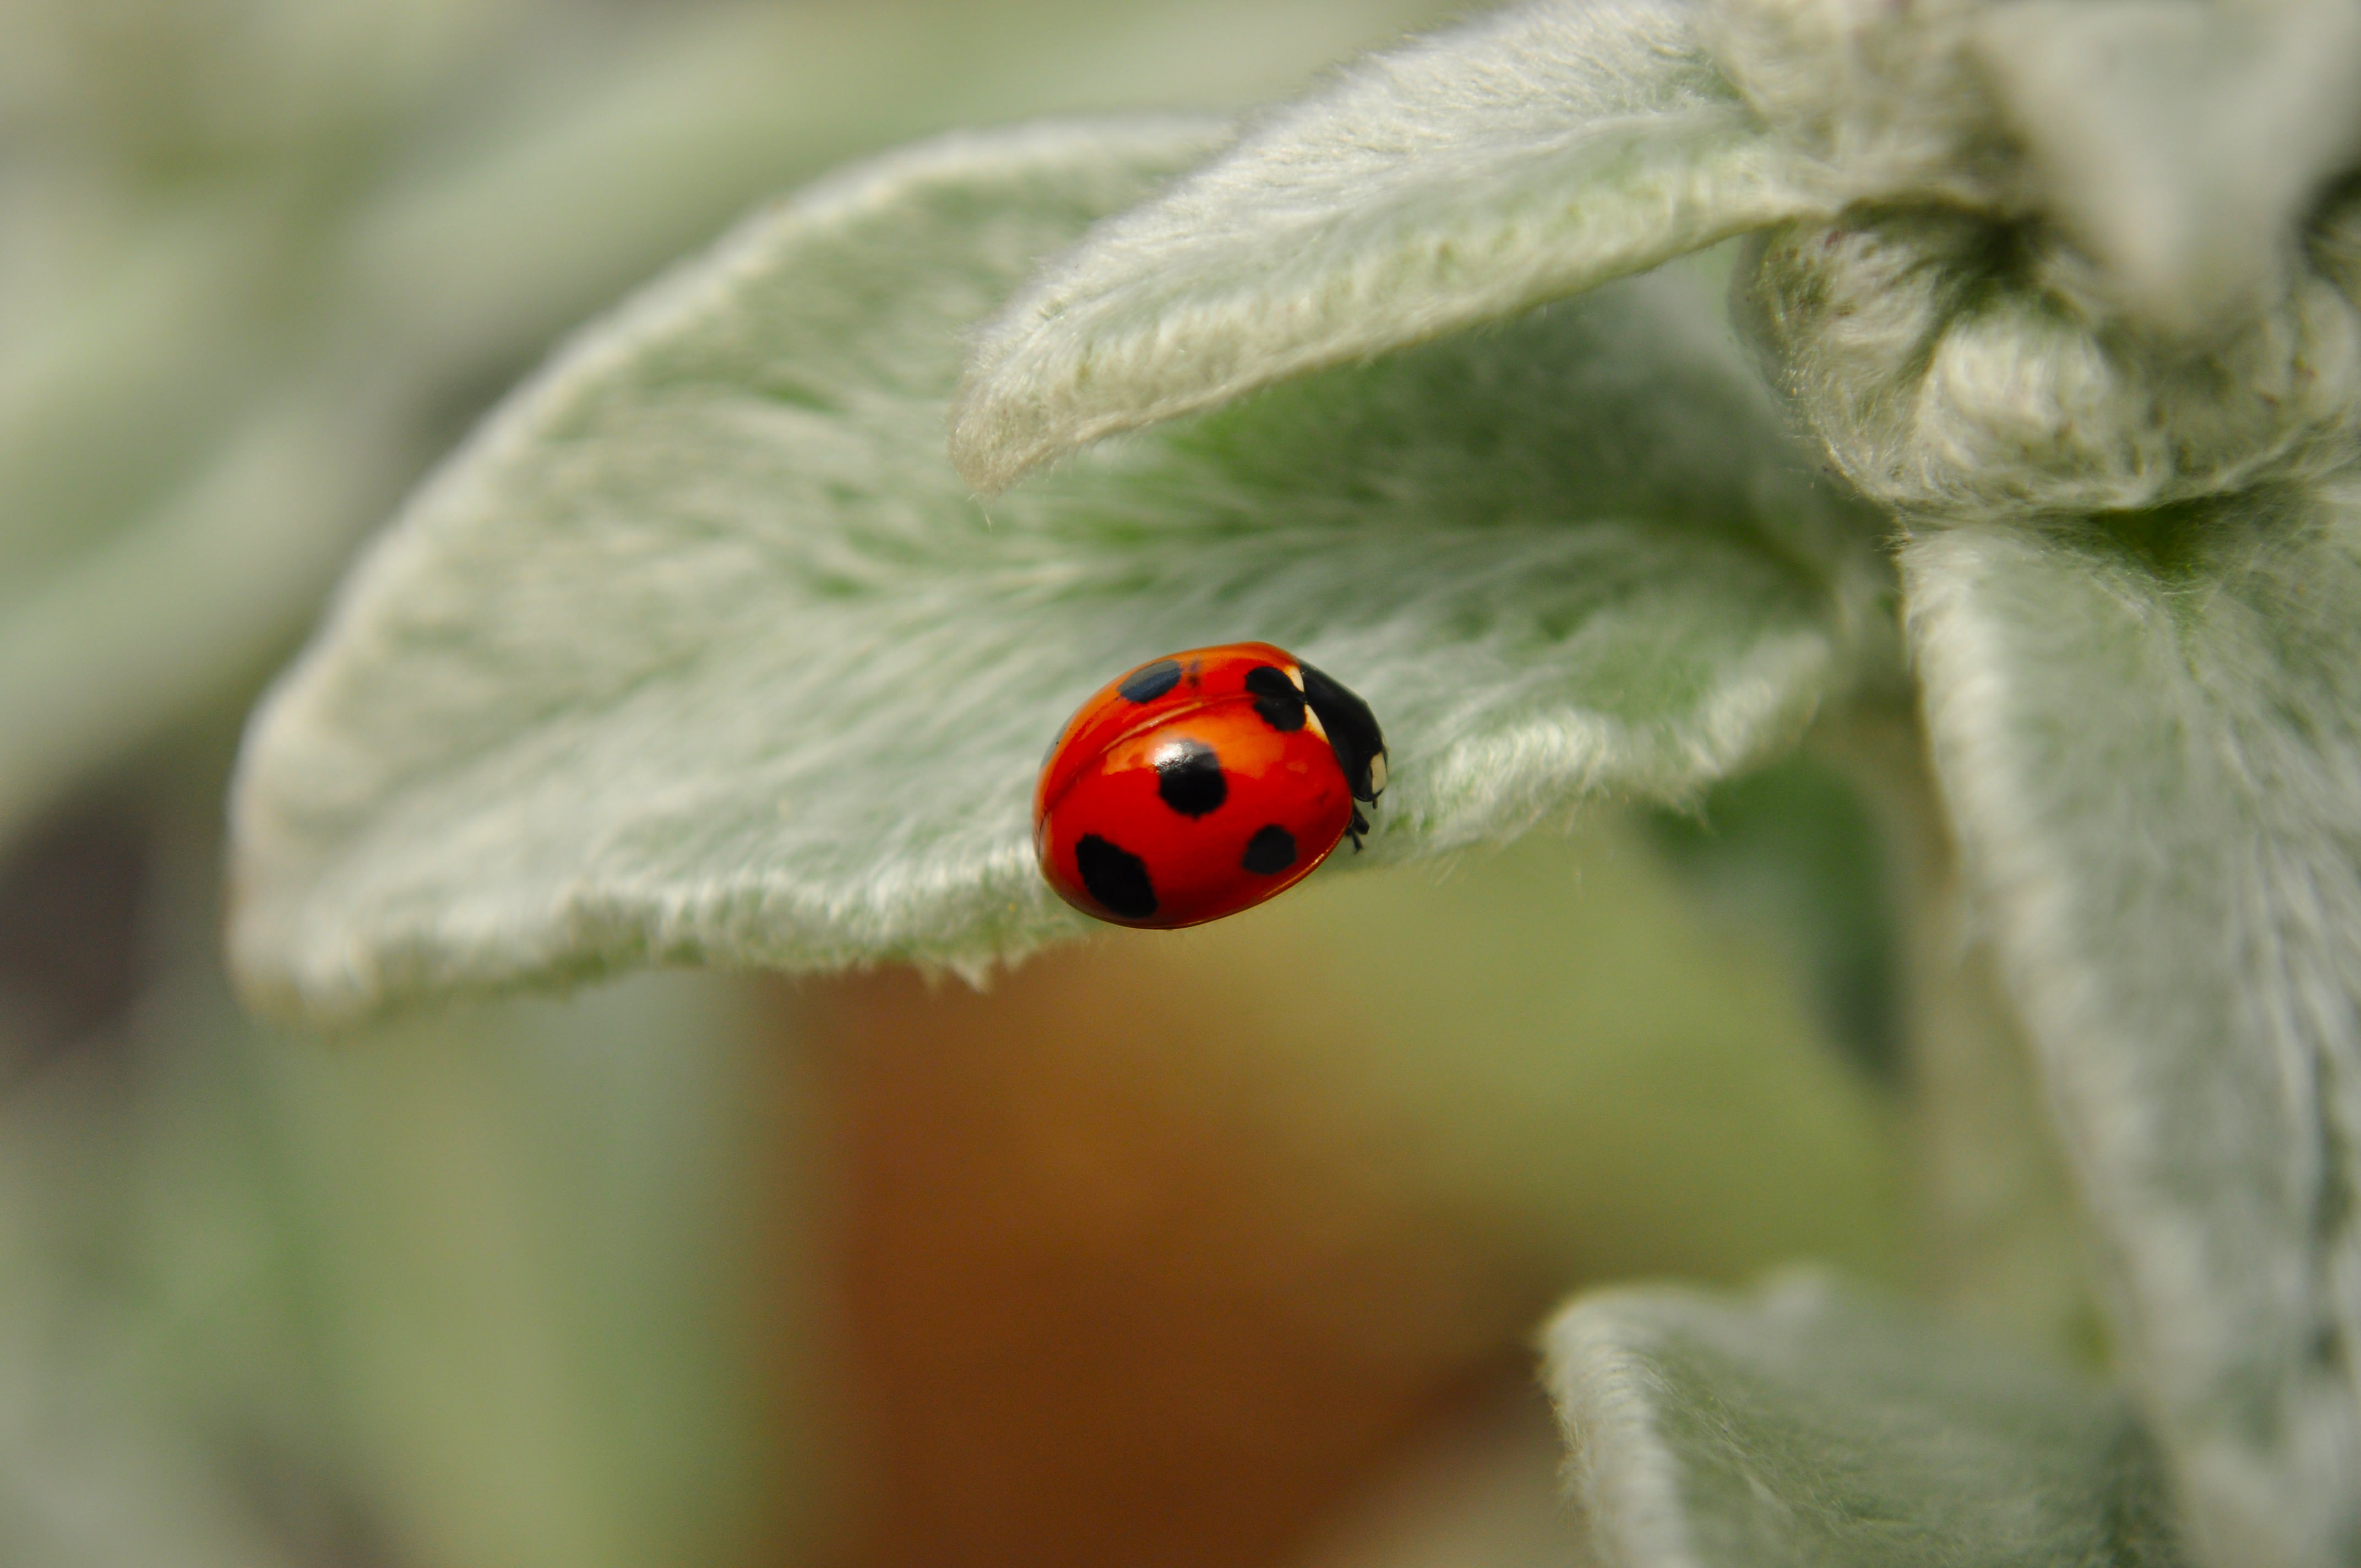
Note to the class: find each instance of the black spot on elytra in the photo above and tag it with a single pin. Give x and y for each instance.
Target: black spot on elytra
(1115, 877)
(1270, 851)
(1276, 699)
(1189, 777)
(1150, 681)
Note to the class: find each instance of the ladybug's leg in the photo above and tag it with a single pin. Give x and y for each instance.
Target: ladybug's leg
(1360, 826)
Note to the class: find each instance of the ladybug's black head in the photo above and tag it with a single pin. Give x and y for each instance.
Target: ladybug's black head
(1352, 729)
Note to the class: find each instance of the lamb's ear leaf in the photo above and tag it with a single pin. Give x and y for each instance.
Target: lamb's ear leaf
(2178, 144)
(1464, 178)
(1812, 1425)
(701, 651)
(2149, 736)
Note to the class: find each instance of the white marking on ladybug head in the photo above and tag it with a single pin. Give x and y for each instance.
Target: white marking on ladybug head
(1295, 674)
(1377, 774)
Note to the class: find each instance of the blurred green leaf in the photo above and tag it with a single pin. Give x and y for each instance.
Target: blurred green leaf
(99, 1464)
(2150, 737)
(1556, 1042)
(149, 627)
(1810, 1426)
(1461, 179)
(522, 1284)
(490, 1289)
(636, 134)
(534, 1237)
(134, 337)
(701, 651)
(1792, 852)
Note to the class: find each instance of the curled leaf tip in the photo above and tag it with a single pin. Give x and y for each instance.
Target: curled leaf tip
(1470, 175)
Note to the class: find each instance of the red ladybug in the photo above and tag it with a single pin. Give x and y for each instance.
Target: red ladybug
(1200, 785)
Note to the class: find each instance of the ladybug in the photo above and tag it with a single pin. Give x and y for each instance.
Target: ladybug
(1201, 784)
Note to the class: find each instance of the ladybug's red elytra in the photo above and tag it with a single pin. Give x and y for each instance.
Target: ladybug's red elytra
(1201, 783)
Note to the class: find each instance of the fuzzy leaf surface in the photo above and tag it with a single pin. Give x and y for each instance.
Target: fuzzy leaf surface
(702, 653)
(2150, 740)
(1812, 1426)
(2181, 145)
(1526, 156)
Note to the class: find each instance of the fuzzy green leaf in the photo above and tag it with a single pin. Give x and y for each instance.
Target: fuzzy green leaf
(2150, 737)
(701, 652)
(1952, 368)
(1814, 1427)
(1466, 177)
(2181, 145)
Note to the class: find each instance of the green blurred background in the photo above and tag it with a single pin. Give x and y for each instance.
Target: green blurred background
(1220, 1247)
